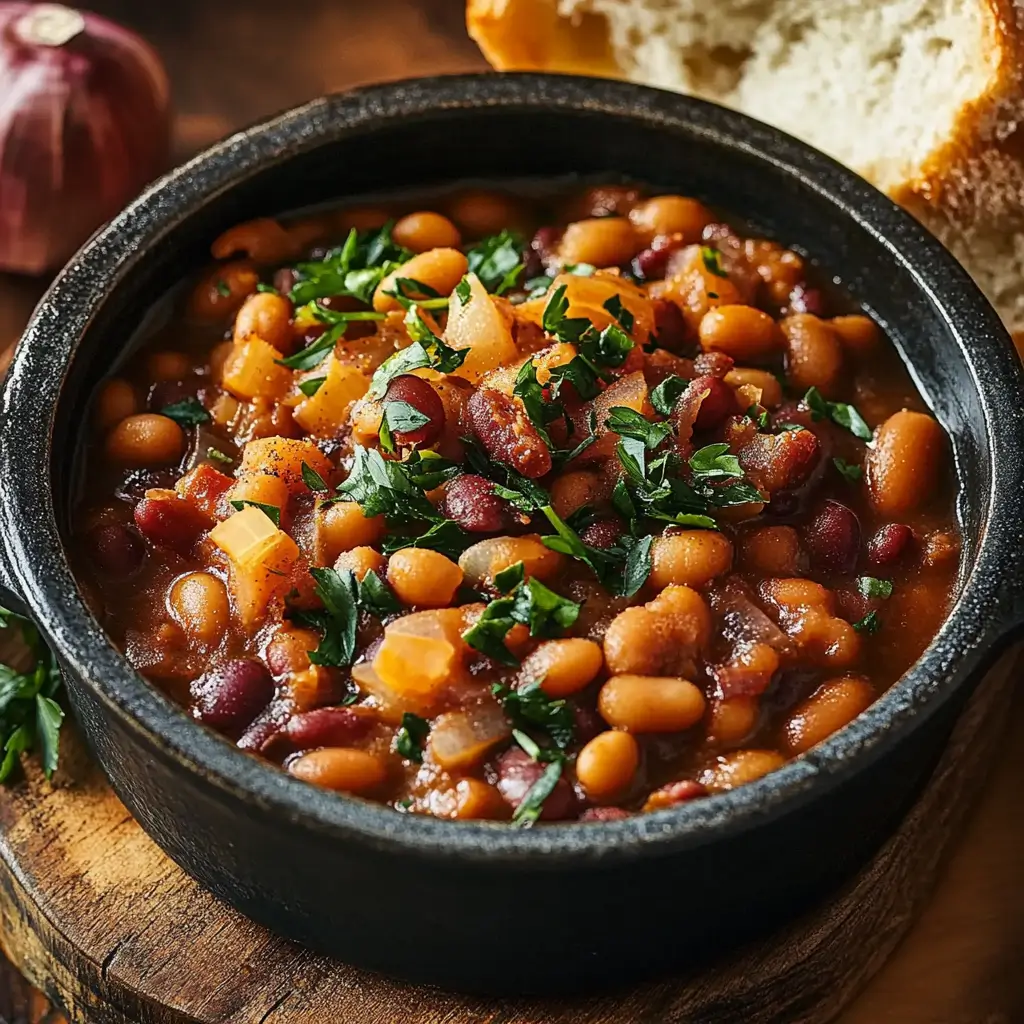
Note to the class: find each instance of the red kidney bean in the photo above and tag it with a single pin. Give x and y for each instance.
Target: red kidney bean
(517, 772)
(168, 392)
(650, 264)
(712, 364)
(117, 550)
(171, 522)
(605, 533)
(832, 537)
(803, 299)
(604, 814)
(669, 325)
(229, 697)
(889, 543)
(541, 251)
(424, 399)
(718, 403)
(470, 500)
(677, 793)
(327, 727)
(268, 725)
(285, 280)
(505, 431)
(588, 722)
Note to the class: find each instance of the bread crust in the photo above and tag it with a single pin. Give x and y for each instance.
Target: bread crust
(969, 189)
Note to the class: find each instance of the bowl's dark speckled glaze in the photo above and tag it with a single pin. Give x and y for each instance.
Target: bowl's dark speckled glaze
(480, 905)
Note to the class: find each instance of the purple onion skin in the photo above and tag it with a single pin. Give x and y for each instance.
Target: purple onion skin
(57, 185)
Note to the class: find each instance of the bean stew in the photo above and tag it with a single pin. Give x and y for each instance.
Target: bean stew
(568, 505)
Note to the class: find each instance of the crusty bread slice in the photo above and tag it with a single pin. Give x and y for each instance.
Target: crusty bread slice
(923, 97)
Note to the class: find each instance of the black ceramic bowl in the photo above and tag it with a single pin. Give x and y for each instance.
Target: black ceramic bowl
(478, 905)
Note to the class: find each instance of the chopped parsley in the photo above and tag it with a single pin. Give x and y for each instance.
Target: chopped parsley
(376, 597)
(624, 317)
(411, 736)
(218, 456)
(189, 412)
(840, 413)
(869, 624)
(30, 717)
(463, 292)
(869, 586)
(316, 352)
(426, 350)
(272, 512)
(713, 261)
(529, 810)
(539, 410)
(311, 385)
(446, 536)
(337, 621)
(759, 419)
(223, 288)
(497, 261)
(387, 487)
(267, 289)
(848, 470)
(629, 423)
(403, 417)
(667, 393)
(530, 707)
(313, 480)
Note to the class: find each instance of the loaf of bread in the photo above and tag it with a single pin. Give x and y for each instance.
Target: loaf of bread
(922, 97)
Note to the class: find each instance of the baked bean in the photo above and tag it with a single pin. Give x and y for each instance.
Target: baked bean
(571, 491)
(650, 703)
(343, 769)
(116, 401)
(363, 218)
(425, 230)
(267, 316)
(168, 366)
(564, 667)
(439, 269)
(771, 389)
(343, 526)
(360, 561)
(423, 577)
(600, 241)
(806, 613)
(199, 604)
(222, 290)
(483, 561)
(743, 332)
(771, 550)
(903, 466)
(739, 768)
(731, 721)
(480, 214)
(607, 765)
(859, 334)
(814, 354)
(833, 705)
(145, 439)
(263, 240)
(691, 558)
(670, 215)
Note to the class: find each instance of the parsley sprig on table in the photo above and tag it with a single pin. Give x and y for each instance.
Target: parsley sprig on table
(30, 717)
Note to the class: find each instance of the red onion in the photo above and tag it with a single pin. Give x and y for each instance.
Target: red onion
(84, 124)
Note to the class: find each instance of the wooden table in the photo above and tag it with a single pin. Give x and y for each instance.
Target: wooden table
(233, 61)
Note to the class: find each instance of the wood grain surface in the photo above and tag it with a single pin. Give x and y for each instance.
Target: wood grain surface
(232, 62)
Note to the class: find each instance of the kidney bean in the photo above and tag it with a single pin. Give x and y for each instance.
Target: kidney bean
(168, 392)
(604, 814)
(424, 399)
(265, 728)
(229, 697)
(718, 403)
(832, 537)
(171, 522)
(117, 550)
(517, 772)
(470, 500)
(650, 264)
(327, 727)
(674, 793)
(889, 543)
(605, 533)
(713, 364)
(803, 299)
(508, 435)
(541, 252)
(669, 325)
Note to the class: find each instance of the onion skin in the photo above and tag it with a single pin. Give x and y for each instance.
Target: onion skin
(84, 125)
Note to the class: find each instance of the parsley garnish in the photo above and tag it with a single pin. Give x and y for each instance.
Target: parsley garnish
(713, 260)
(426, 350)
(272, 512)
(316, 352)
(223, 288)
(531, 708)
(532, 804)
(869, 624)
(839, 413)
(311, 385)
(538, 409)
(386, 487)
(531, 604)
(555, 322)
(411, 736)
(189, 412)
(403, 417)
(267, 289)
(463, 292)
(337, 622)
(218, 456)
(869, 586)
(629, 423)
(638, 564)
(848, 470)
(497, 261)
(667, 393)
(715, 462)
(760, 419)
(376, 597)
(313, 480)
(30, 718)
(446, 536)
(620, 313)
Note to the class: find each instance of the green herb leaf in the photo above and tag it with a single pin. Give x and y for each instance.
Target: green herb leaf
(313, 354)
(667, 393)
(311, 385)
(529, 810)
(628, 423)
(510, 578)
(531, 394)
(869, 624)
(447, 537)
(610, 347)
(869, 586)
(189, 412)
(555, 322)
(497, 261)
(313, 480)
(714, 462)
(223, 288)
(787, 428)
(218, 456)
(411, 736)
(620, 313)
(840, 413)
(49, 717)
(18, 741)
(272, 512)
(848, 470)
(638, 565)
(713, 260)
(267, 289)
(385, 487)
(530, 707)
(578, 372)
(463, 291)
(760, 419)
(403, 417)
(376, 597)
(337, 622)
